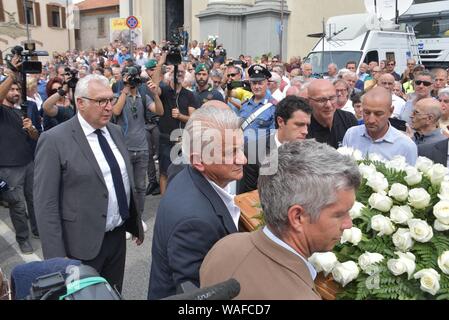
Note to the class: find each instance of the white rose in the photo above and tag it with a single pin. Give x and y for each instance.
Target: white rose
(438, 226)
(344, 273)
(375, 157)
(419, 198)
(420, 230)
(356, 211)
(437, 173)
(401, 215)
(405, 264)
(430, 280)
(403, 240)
(399, 192)
(377, 182)
(366, 170)
(345, 151)
(424, 164)
(398, 163)
(444, 191)
(324, 262)
(443, 262)
(368, 259)
(383, 225)
(380, 202)
(413, 177)
(441, 211)
(353, 235)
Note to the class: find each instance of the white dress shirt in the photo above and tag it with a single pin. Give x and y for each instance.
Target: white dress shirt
(113, 219)
(228, 198)
(278, 241)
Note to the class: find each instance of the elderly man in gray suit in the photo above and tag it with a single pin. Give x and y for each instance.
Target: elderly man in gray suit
(84, 188)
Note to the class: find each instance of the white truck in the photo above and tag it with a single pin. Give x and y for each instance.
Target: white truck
(430, 21)
(362, 38)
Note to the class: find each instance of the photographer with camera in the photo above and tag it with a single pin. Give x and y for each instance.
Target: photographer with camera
(58, 108)
(237, 91)
(179, 104)
(131, 112)
(17, 140)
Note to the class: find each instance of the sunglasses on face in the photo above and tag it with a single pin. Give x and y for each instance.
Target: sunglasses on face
(425, 83)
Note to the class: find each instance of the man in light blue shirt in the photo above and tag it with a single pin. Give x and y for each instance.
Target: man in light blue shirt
(378, 135)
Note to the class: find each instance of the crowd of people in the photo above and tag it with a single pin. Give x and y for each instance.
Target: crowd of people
(80, 155)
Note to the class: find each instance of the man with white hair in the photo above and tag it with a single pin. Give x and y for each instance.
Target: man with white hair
(84, 186)
(198, 208)
(332, 72)
(425, 121)
(274, 84)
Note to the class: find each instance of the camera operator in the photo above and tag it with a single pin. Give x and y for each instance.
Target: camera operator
(179, 104)
(17, 140)
(130, 111)
(236, 93)
(58, 108)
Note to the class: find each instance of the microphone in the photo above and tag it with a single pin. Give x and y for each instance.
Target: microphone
(227, 290)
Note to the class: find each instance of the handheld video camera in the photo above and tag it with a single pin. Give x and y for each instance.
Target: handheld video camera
(27, 58)
(73, 77)
(133, 74)
(174, 56)
(239, 84)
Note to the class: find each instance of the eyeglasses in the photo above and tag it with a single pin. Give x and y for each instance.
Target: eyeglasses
(391, 64)
(103, 103)
(445, 101)
(231, 75)
(387, 83)
(425, 83)
(324, 101)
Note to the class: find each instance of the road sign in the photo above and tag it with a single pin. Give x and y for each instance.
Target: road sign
(132, 22)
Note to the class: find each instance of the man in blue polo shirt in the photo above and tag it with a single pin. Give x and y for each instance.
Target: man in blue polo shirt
(258, 112)
(378, 135)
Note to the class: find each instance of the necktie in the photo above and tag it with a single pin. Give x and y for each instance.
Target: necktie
(116, 175)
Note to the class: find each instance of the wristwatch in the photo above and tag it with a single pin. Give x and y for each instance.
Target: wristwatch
(62, 92)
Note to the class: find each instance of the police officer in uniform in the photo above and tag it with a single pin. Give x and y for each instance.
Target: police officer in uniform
(258, 112)
(205, 92)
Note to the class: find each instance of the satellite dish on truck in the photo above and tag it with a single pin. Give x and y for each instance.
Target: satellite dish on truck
(386, 9)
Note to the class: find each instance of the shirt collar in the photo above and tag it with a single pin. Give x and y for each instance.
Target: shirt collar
(389, 137)
(224, 193)
(278, 241)
(87, 128)
(263, 102)
(276, 139)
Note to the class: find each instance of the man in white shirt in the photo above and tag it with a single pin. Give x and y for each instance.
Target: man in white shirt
(274, 84)
(387, 81)
(84, 186)
(196, 50)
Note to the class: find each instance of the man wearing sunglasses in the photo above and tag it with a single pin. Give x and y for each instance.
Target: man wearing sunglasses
(423, 87)
(391, 65)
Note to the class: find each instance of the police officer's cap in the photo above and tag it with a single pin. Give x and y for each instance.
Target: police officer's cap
(258, 72)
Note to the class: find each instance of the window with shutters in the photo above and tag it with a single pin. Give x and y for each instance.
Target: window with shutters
(2, 13)
(56, 16)
(101, 28)
(29, 12)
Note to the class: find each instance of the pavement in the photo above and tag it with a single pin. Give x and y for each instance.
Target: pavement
(138, 259)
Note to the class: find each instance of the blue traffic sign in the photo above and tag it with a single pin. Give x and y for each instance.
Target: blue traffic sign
(132, 22)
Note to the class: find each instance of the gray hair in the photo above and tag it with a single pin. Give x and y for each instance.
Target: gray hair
(309, 174)
(216, 74)
(201, 124)
(275, 77)
(444, 92)
(82, 88)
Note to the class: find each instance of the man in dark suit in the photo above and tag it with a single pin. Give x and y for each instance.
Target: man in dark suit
(198, 208)
(437, 152)
(84, 188)
(292, 118)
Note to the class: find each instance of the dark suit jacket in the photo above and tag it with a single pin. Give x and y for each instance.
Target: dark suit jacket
(191, 218)
(71, 197)
(255, 159)
(437, 152)
(264, 269)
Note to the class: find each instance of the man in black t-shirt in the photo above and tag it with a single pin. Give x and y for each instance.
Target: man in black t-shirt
(178, 106)
(16, 165)
(205, 92)
(328, 125)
